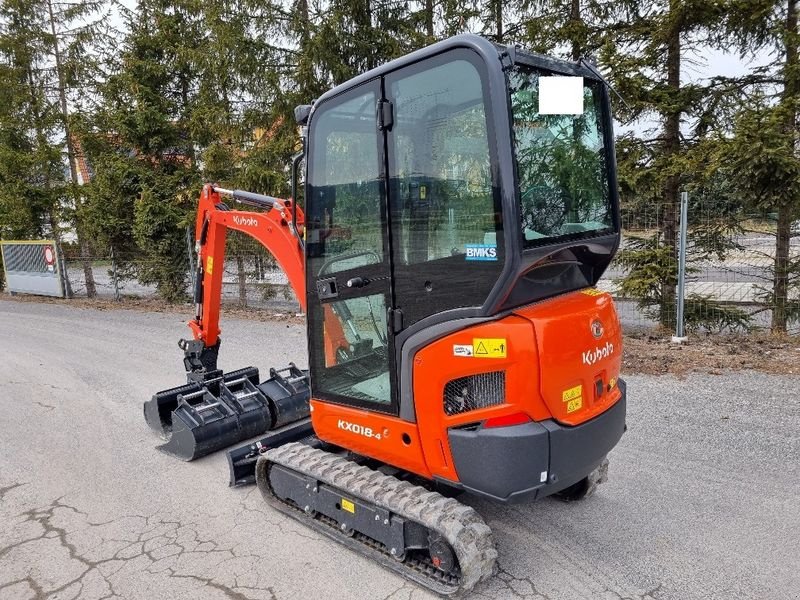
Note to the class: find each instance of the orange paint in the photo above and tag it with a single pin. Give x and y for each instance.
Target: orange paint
(544, 358)
(270, 228)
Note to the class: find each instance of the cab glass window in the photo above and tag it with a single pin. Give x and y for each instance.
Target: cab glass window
(561, 161)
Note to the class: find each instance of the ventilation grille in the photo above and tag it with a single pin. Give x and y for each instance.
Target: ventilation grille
(475, 391)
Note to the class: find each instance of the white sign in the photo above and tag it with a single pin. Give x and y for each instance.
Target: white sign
(560, 95)
(462, 349)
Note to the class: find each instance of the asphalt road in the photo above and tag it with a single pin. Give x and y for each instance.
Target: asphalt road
(702, 501)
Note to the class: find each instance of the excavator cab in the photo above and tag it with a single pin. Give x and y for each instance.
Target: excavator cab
(460, 205)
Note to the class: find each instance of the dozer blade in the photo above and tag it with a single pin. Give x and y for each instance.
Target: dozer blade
(242, 460)
(436, 542)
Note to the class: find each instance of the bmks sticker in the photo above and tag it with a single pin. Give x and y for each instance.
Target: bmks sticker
(481, 251)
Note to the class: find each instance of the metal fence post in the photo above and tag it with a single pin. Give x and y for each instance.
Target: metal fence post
(680, 334)
(114, 275)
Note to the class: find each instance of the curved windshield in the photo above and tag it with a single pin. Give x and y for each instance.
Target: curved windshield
(559, 145)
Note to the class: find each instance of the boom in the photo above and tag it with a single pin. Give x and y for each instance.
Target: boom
(279, 230)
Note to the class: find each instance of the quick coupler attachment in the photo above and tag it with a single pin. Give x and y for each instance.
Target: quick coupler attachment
(209, 414)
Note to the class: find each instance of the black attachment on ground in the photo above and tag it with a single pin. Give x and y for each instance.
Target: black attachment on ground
(213, 411)
(288, 393)
(242, 460)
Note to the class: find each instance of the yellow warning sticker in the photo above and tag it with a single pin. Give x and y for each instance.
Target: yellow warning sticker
(592, 292)
(489, 347)
(423, 192)
(574, 405)
(572, 393)
(210, 265)
(348, 506)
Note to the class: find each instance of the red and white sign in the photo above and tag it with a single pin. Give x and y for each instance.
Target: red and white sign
(49, 256)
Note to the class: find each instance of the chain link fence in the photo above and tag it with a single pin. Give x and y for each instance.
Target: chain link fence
(730, 270)
(729, 280)
(251, 277)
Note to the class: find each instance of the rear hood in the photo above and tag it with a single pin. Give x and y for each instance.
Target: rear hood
(580, 353)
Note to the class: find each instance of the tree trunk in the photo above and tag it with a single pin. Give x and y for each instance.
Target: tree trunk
(88, 274)
(498, 18)
(242, 277)
(780, 284)
(62, 263)
(791, 93)
(370, 27)
(259, 267)
(429, 19)
(671, 186)
(575, 18)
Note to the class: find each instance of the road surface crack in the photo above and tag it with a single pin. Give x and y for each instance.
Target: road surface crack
(161, 542)
(8, 488)
(32, 583)
(516, 585)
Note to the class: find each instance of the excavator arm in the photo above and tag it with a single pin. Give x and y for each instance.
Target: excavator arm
(215, 409)
(279, 230)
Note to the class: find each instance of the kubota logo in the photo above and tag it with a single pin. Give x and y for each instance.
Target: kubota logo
(358, 429)
(597, 329)
(592, 356)
(247, 221)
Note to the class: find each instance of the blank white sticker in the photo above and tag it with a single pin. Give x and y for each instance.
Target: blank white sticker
(560, 95)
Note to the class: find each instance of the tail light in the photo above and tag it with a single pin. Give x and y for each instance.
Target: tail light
(507, 420)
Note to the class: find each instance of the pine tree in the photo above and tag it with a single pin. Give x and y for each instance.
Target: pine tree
(31, 175)
(148, 131)
(648, 50)
(53, 40)
(571, 28)
(763, 156)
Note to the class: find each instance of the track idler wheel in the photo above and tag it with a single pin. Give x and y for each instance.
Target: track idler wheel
(441, 553)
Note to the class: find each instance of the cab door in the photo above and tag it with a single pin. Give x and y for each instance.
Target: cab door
(348, 266)
(444, 193)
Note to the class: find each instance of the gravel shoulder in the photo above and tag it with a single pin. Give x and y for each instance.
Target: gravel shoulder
(702, 502)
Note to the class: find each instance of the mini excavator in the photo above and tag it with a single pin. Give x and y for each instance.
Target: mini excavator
(460, 205)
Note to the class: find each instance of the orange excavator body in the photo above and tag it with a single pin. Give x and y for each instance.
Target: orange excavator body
(553, 367)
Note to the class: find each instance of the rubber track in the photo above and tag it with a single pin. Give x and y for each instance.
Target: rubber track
(462, 527)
